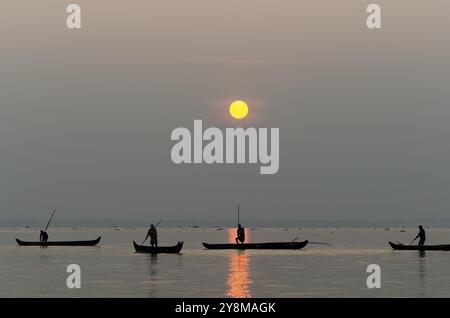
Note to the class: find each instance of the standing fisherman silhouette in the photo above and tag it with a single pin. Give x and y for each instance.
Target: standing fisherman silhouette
(421, 236)
(43, 236)
(240, 231)
(240, 234)
(153, 234)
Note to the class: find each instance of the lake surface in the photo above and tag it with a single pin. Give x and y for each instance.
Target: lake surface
(114, 270)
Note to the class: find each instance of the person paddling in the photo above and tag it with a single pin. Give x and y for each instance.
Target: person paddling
(421, 236)
(240, 234)
(43, 237)
(153, 234)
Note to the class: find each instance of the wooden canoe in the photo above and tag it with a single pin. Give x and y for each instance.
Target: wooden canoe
(61, 243)
(403, 247)
(258, 246)
(157, 250)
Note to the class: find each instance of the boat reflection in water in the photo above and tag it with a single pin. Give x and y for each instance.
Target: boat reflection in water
(238, 281)
(422, 274)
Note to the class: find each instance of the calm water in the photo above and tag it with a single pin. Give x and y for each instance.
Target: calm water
(114, 270)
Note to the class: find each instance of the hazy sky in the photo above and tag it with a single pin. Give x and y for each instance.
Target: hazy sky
(86, 115)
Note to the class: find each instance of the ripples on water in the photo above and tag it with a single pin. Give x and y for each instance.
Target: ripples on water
(114, 270)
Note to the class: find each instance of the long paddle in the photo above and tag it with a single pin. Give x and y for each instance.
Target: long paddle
(155, 227)
(413, 241)
(238, 215)
(319, 243)
(50, 220)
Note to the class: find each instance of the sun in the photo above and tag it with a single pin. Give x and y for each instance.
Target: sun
(238, 109)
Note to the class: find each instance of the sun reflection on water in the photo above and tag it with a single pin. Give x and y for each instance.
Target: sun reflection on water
(238, 281)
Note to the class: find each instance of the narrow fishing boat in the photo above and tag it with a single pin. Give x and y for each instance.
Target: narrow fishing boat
(402, 247)
(157, 250)
(60, 243)
(43, 239)
(258, 246)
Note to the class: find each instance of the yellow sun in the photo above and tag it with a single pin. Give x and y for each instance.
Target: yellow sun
(238, 109)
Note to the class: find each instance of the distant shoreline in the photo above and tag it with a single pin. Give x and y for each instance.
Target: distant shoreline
(60, 222)
(133, 228)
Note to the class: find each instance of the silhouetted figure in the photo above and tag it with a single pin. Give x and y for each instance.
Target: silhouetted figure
(240, 234)
(153, 234)
(43, 237)
(421, 236)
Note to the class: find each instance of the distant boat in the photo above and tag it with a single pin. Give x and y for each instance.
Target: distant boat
(60, 243)
(403, 247)
(157, 250)
(258, 246)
